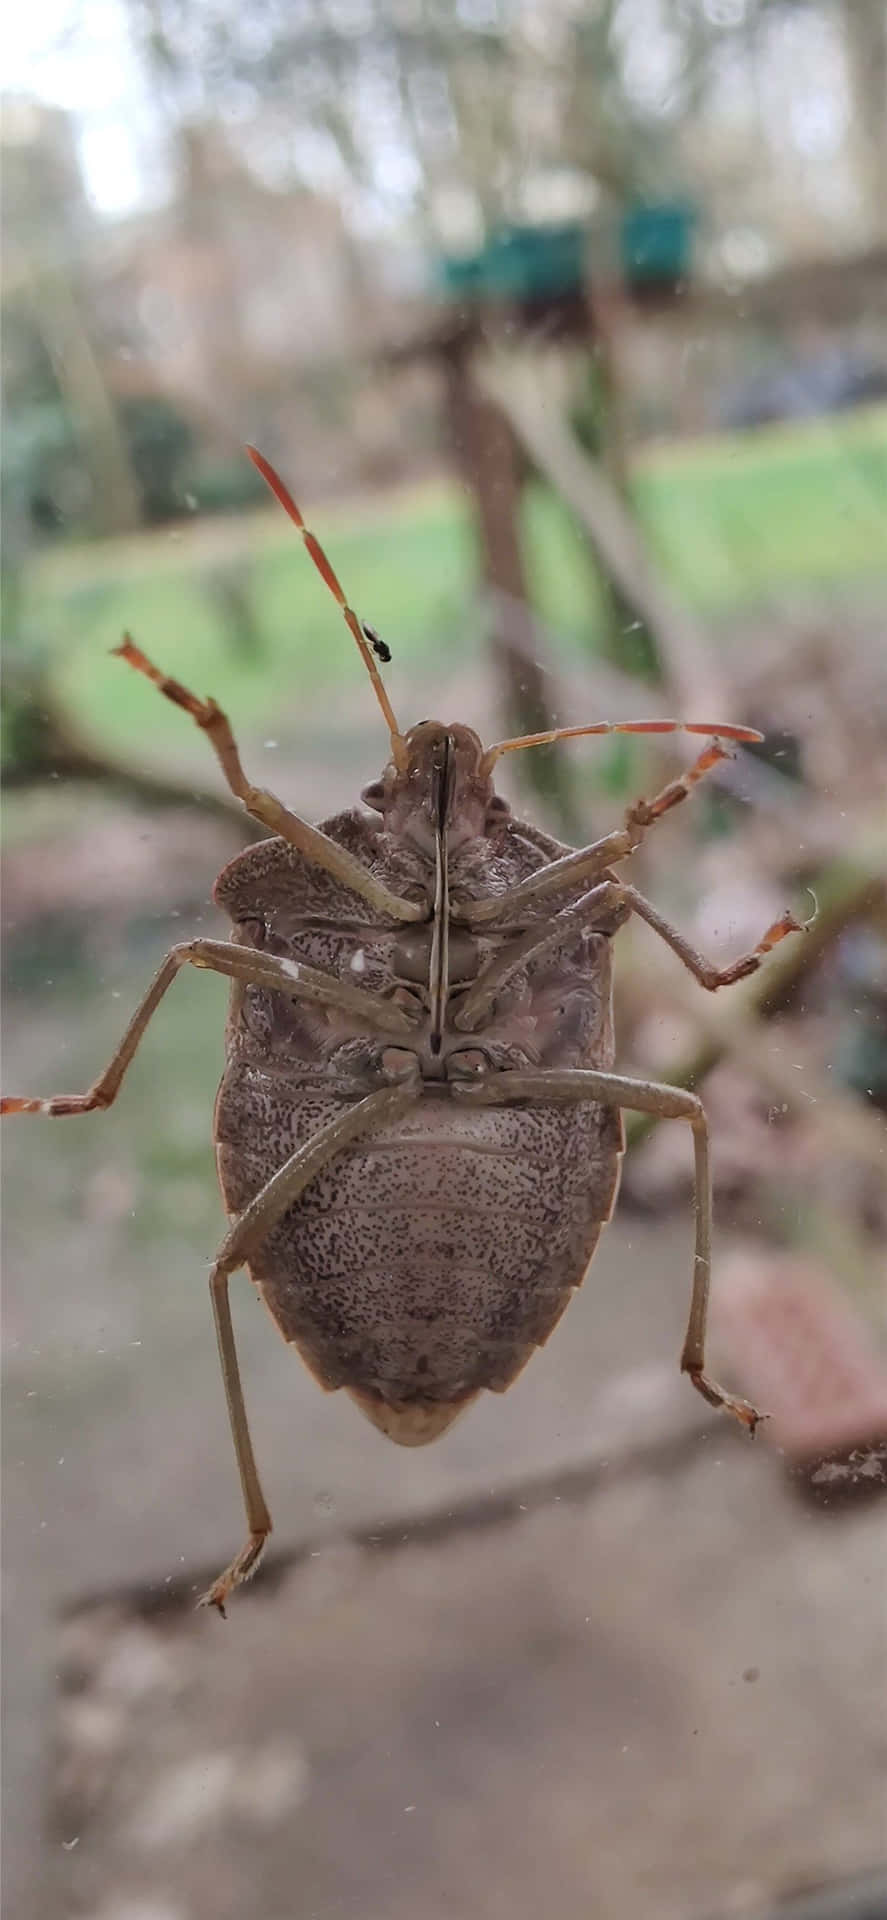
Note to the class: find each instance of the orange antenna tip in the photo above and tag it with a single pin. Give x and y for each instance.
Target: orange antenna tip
(272, 479)
(330, 579)
(719, 730)
(748, 736)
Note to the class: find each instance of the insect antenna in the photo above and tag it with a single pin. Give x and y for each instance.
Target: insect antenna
(367, 640)
(724, 730)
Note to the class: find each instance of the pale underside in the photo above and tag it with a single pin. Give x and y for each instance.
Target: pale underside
(428, 1260)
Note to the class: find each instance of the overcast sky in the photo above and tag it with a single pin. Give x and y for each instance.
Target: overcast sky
(79, 56)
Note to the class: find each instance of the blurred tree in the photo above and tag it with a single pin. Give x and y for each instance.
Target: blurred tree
(865, 31)
(466, 113)
(54, 362)
(446, 108)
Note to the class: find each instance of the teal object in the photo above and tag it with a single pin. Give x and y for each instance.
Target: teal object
(519, 263)
(656, 242)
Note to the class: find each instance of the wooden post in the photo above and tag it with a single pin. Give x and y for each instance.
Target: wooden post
(493, 469)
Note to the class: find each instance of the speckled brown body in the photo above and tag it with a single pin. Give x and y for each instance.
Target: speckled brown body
(428, 1260)
(417, 1215)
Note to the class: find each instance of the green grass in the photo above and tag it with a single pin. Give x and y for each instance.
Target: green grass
(741, 519)
(413, 569)
(736, 522)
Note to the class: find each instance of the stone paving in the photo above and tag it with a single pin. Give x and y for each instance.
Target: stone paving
(593, 1652)
(656, 1693)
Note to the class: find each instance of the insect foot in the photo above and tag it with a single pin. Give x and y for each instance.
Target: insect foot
(742, 1410)
(240, 1570)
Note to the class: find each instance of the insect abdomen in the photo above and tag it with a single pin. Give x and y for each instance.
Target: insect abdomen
(429, 1262)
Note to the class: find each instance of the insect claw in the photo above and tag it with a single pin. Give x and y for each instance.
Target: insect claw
(805, 925)
(746, 1414)
(742, 1410)
(212, 1599)
(240, 1570)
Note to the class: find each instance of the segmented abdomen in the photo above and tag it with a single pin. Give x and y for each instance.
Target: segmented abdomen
(428, 1260)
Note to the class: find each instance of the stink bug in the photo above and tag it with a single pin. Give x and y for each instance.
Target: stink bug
(418, 1130)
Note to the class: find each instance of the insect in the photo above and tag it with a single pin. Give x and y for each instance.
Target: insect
(418, 1129)
(380, 647)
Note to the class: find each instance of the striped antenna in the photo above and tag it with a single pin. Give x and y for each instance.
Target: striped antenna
(725, 730)
(282, 493)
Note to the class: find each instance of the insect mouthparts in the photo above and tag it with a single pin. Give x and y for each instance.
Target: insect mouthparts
(442, 781)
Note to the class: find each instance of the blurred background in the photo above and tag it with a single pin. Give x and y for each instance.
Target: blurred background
(566, 323)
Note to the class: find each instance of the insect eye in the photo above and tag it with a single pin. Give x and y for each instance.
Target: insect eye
(374, 795)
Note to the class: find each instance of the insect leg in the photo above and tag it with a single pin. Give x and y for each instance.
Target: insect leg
(106, 1088)
(258, 1515)
(667, 1103)
(242, 1239)
(299, 982)
(265, 806)
(290, 977)
(603, 904)
(642, 815)
(589, 862)
(595, 906)
(703, 970)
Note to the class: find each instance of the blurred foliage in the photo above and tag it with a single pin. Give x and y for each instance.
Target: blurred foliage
(231, 587)
(769, 514)
(42, 467)
(858, 995)
(217, 485)
(595, 418)
(159, 442)
(450, 104)
(43, 461)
